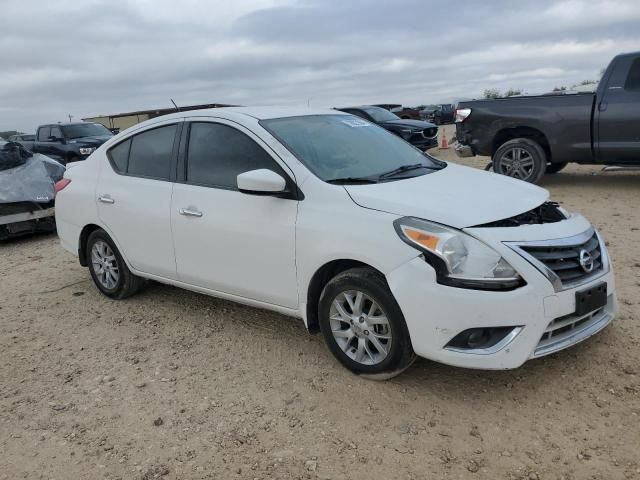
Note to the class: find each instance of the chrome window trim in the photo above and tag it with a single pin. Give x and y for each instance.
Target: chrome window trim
(574, 240)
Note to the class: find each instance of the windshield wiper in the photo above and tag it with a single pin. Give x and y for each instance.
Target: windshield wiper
(402, 169)
(347, 180)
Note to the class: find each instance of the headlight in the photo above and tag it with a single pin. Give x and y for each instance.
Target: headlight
(87, 151)
(459, 259)
(406, 133)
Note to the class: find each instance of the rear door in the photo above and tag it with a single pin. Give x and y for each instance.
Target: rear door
(225, 240)
(134, 197)
(618, 113)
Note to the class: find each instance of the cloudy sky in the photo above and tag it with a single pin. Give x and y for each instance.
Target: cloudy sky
(88, 57)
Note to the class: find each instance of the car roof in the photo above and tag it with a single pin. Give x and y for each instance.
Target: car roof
(259, 113)
(362, 107)
(68, 124)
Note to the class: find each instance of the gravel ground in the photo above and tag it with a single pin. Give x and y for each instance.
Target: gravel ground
(175, 385)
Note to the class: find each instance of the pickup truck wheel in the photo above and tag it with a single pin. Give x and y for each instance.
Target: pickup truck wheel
(363, 325)
(521, 158)
(555, 167)
(108, 269)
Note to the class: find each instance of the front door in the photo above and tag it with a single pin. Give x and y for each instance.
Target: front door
(225, 240)
(134, 198)
(619, 115)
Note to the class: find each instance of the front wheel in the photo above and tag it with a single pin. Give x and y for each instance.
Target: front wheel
(363, 325)
(520, 158)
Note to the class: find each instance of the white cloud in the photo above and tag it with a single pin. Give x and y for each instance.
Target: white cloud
(101, 56)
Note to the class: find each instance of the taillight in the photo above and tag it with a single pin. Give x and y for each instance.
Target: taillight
(462, 114)
(60, 184)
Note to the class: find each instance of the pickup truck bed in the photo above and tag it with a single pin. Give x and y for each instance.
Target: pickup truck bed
(528, 136)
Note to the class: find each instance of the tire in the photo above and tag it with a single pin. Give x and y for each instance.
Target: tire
(520, 158)
(555, 167)
(108, 269)
(378, 358)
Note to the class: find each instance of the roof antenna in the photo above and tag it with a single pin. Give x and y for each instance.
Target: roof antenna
(174, 104)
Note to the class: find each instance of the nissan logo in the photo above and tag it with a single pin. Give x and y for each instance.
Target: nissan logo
(586, 261)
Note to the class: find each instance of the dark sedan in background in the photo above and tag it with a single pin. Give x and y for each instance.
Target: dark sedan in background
(423, 135)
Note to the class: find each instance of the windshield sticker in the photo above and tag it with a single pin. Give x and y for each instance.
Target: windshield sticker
(356, 122)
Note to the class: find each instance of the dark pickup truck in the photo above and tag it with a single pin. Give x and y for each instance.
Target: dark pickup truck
(68, 142)
(530, 136)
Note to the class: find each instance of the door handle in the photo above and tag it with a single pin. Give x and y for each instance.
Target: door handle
(106, 199)
(603, 106)
(189, 213)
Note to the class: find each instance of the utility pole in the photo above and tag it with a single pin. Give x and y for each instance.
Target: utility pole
(70, 118)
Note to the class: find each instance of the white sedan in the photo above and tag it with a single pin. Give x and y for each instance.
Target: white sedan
(317, 214)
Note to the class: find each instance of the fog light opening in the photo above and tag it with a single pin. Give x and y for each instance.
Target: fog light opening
(486, 338)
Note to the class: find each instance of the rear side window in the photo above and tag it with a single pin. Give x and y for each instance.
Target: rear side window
(218, 154)
(150, 153)
(44, 133)
(633, 79)
(56, 132)
(147, 154)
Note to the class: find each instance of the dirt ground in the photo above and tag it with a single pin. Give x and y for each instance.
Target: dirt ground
(175, 385)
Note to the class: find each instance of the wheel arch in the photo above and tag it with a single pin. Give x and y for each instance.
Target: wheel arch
(86, 231)
(531, 133)
(82, 242)
(318, 281)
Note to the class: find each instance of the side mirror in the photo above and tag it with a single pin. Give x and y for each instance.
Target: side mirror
(261, 182)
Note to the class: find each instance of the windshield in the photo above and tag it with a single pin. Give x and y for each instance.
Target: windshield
(344, 147)
(380, 114)
(85, 130)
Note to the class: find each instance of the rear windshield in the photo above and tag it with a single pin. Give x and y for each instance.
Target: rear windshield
(342, 147)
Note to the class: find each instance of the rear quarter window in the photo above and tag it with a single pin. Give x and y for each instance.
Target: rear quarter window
(119, 156)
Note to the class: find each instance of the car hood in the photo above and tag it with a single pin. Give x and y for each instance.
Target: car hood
(91, 141)
(456, 196)
(413, 124)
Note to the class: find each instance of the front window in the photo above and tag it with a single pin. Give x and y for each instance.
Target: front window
(380, 114)
(344, 148)
(85, 130)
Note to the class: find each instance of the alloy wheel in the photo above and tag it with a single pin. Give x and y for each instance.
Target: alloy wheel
(104, 264)
(360, 327)
(516, 162)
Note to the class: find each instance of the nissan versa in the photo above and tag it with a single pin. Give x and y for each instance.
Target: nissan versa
(324, 216)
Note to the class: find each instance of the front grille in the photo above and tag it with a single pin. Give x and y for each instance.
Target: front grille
(565, 260)
(565, 331)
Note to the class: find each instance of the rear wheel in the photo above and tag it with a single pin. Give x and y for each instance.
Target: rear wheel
(555, 167)
(521, 158)
(108, 269)
(363, 325)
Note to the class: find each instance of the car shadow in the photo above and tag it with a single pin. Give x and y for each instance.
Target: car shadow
(420, 378)
(599, 180)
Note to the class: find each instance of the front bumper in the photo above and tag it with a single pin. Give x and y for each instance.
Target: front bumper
(436, 313)
(425, 143)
